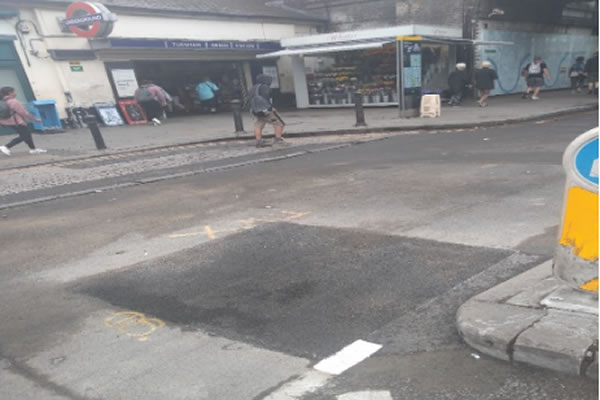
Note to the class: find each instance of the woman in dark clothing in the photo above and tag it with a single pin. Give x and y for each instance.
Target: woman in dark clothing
(458, 81)
(484, 82)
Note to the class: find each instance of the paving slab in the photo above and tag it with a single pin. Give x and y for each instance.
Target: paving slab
(569, 299)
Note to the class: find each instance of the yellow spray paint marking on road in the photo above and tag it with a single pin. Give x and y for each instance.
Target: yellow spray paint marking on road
(134, 324)
(245, 224)
(591, 286)
(580, 226)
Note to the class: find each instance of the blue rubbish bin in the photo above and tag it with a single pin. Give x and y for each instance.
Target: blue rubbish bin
(46, 111)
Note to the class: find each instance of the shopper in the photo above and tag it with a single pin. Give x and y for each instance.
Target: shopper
(534, 73)
(16, 116)
(484, 82)
(207, 93)
(576, 73)
(152, 99)
(591, 73)
(458, 81)
(264, 112)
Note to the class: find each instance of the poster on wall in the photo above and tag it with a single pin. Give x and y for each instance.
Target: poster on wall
(271, 70)
(125, 82)
(133, 112)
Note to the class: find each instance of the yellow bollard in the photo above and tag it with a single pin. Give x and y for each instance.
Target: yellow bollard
(576, 255)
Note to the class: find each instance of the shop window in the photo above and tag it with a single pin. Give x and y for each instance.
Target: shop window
(332, 78)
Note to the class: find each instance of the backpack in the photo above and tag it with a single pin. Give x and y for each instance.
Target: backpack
(143, 95)
(258, 105)
(5, 111)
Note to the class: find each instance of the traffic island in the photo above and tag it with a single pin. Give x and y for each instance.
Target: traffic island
(535, 319)
(548, 316)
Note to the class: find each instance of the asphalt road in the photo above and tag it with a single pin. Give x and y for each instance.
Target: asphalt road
(235, 281)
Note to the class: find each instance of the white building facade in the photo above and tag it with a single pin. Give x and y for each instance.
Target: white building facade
(44, 60)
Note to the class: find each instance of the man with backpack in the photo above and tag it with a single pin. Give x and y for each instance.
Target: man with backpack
(263, 111)
(152, 100)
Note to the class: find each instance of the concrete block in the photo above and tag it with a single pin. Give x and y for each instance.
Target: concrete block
(518, 284)
(559, 341)
(490, 327)
(533, 296)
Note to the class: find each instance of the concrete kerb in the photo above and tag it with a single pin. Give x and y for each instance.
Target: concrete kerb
(333, 132)
(497, 324)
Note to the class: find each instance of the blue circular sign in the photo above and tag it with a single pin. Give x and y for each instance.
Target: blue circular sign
(586, 161)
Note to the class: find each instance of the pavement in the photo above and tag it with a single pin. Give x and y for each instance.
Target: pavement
(536, 319)
(74, 144)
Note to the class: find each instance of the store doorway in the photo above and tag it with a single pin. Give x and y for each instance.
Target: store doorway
(180, 78)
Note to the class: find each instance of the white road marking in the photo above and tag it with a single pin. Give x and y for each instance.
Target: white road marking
(348, 357)
(307, 383)
(367, 395)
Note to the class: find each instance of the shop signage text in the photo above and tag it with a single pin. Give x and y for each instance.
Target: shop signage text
(90, 20)
(126, 43)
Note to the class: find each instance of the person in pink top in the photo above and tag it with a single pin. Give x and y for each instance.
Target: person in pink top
(152, 100)
(18, 120)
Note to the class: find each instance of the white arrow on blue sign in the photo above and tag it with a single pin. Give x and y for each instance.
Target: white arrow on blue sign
(586, 161)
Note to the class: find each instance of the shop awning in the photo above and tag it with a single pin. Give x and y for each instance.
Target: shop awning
(371, 38)
(325, 49)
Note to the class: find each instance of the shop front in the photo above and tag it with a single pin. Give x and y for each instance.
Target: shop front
(389, 66)
(178, 66)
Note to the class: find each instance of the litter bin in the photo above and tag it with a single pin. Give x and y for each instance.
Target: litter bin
(46, 111)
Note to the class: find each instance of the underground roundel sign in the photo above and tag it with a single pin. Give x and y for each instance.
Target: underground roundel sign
(88, 19)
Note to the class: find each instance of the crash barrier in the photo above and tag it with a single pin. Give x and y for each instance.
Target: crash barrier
(576, 255)
(431, 106)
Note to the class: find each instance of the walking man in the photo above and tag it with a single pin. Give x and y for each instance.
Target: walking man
(534, 73)
(13, 114)
(458, 81)
(484, 82)
(152, 100)
(263, 111)
(591, 73)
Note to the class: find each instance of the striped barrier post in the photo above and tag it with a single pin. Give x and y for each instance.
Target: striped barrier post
(576, 255)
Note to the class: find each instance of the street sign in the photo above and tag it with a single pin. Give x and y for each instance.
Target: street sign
(89, 19)
(576, 254)
(586, 161)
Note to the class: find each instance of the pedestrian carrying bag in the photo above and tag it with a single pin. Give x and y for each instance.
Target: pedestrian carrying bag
(144, 95)
(259, 106)
(5, 112)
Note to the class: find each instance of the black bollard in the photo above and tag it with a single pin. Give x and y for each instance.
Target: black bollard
(92, 123)
(236, 107)
(358, 108)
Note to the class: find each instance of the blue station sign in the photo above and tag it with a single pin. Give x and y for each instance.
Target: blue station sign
(134, 43)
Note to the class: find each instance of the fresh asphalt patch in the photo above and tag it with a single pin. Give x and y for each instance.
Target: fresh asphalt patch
(303, 290)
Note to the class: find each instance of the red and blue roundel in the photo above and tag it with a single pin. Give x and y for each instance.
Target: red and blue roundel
(88, 19)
